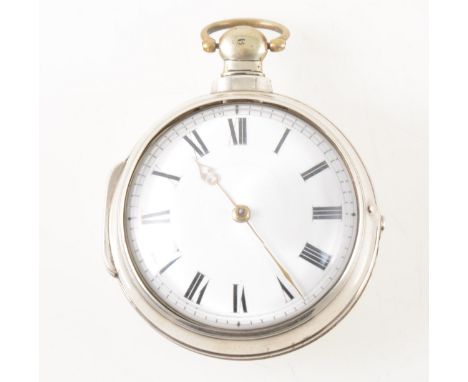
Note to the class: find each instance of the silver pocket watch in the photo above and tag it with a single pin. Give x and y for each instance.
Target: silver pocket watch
(244, 225)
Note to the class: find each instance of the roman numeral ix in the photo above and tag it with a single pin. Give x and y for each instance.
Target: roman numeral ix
(239, 138)
(314, 170)
(326, 213)
(201, 149)
(315, 256)
(194, 285)
(239, 299)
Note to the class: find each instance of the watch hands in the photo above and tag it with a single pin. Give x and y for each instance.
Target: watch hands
(209, 175)
(281, 267)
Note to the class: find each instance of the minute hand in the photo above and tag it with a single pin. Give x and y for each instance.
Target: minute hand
(210, 176)
(282, 269)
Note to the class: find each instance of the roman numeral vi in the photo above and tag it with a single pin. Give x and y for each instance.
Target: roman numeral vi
(239, 299)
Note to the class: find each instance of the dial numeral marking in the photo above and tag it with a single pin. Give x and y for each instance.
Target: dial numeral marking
(326, 213)
(156, 217)
(164, 269)
(288, 295)
(239, 299)
(314, 170)
(315, 256)
(192, 289)
(202, 150)
(283, 138)
(164, 175)
(241, 137)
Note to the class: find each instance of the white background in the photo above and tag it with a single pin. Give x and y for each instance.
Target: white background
(109, 69)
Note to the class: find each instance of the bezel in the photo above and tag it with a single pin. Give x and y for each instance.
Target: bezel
(310, 325)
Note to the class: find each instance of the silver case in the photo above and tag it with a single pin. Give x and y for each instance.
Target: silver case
(325, 314)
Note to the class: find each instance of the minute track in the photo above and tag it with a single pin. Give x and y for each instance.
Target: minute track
(266, 175)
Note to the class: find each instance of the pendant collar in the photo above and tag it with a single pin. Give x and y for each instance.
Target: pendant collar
(243, 48)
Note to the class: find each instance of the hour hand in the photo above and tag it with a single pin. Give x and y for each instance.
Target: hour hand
(207, 173)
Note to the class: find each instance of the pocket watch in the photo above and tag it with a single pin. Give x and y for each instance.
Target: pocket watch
(244, 225)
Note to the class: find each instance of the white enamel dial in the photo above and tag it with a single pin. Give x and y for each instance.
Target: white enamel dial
(240, 216)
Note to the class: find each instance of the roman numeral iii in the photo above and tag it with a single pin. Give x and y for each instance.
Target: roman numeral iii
(326, 213)
(239, 137)
(315, 256)
(194, 286)
(239, 302)
(200, 149)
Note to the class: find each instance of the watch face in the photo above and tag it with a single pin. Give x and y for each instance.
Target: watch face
(240, 217)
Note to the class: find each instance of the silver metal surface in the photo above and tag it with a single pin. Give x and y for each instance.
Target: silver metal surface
(242, 83)
(243, 48)
(275, 45)
(113, 180)
(324, 315)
